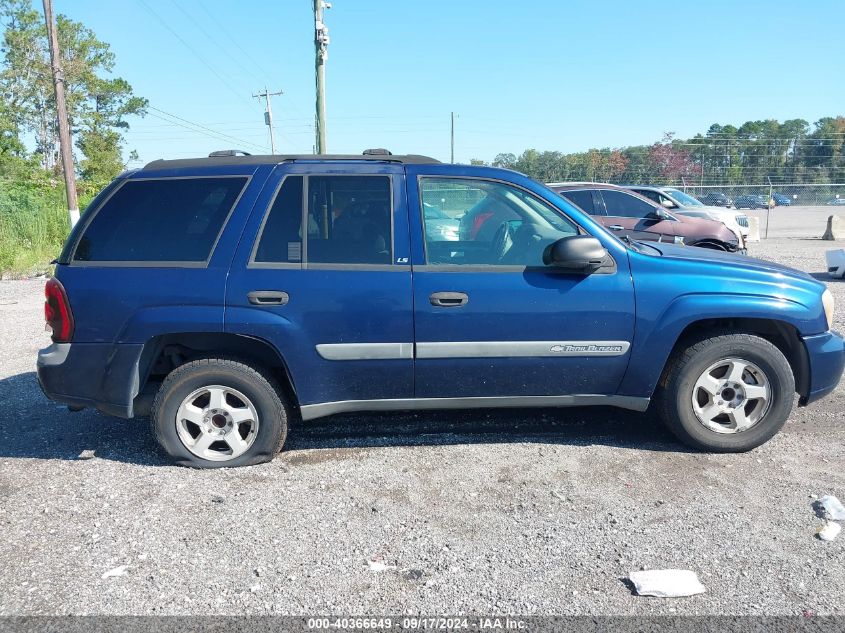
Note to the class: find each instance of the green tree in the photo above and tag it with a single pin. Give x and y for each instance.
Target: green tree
(98, 104)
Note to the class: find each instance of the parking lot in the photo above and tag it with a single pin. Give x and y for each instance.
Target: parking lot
(527, 512)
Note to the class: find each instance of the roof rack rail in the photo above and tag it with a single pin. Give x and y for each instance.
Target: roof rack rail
(230, 157)
(228, 152)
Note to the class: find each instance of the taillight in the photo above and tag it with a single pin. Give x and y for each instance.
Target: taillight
(57, 311)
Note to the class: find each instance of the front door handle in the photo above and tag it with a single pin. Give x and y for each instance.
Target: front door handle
(268, 297)
(448, 299)
(616, 227)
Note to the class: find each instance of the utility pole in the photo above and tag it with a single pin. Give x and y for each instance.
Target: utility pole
(268, 114)
(321, 54)
(453, 139)
(61, 112)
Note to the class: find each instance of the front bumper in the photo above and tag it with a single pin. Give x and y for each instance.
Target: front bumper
(99, 375)
(826, 354)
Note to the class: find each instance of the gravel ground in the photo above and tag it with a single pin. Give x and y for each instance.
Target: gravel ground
(528, 512)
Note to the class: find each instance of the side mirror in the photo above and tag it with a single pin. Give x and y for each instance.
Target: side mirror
(667, 203)
(577, 253)
(659, 214)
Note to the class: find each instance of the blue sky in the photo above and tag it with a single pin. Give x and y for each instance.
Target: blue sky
(562, 75)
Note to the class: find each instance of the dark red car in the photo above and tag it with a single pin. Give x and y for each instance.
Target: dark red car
(629, 214)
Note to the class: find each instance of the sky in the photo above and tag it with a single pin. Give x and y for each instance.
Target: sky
(565, 75)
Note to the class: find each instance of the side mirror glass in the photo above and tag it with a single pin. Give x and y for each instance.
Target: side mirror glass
(577, 253)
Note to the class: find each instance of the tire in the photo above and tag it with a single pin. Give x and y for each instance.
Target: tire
(209, 400)
(696, 370)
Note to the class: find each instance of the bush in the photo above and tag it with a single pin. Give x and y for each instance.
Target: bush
(33, 227)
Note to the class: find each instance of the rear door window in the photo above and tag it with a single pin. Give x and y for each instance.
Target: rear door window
(161, 220)
(348, 222)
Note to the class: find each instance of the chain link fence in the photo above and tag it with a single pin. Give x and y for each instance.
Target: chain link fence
(792, 194)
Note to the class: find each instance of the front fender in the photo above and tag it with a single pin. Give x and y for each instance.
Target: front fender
(657, 331)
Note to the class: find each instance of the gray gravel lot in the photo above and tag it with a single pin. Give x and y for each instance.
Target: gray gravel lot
(530, 512)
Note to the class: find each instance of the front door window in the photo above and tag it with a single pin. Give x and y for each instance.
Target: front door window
(497, 224)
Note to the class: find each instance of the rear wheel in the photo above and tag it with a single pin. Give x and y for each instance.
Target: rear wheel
(728, 393)
(217, 412)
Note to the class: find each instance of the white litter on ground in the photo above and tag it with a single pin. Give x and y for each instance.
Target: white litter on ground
(830, 531)
(666, 583)
(834, 508)
(117, 571)
(377, 565)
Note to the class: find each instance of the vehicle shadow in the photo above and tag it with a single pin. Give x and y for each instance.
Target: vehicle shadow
(827, 278)
(31, 426)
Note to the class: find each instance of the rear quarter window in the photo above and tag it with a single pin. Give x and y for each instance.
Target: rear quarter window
(160, 220)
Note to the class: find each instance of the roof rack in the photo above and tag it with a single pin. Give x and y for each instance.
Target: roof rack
(228, 152)
(239, 157)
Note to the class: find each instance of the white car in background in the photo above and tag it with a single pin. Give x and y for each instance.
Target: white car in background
(684, 204)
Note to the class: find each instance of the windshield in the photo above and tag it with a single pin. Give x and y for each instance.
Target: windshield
(682, 198)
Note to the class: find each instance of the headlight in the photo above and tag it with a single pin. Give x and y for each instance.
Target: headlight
(827, 302)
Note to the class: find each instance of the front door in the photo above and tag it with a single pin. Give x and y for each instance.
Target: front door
(490, 319)
(322, 273)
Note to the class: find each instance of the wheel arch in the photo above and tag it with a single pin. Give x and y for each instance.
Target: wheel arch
(779, 321)
(163, 353)
(781, 334)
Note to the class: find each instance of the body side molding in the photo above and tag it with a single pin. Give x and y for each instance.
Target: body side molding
(312, 411)
(366, 351)
(470, 349)
(512, 349)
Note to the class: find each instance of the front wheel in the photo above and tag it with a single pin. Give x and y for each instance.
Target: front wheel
(217, 412)
(728, 393)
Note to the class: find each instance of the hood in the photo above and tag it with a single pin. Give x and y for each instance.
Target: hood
(703, 228)
(732, 261)
(712, 209)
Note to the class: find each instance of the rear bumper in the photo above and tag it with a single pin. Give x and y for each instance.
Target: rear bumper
(826, 353)
(98, 375)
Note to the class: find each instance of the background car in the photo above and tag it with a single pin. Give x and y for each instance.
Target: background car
(440, 225)
(782, 200)
(680, 203)
(836, 202)
(751, 202)
(632, 215)
(717, 199)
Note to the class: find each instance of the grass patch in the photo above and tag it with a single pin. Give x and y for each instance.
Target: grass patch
(33, 227)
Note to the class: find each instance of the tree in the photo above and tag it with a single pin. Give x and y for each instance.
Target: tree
(98, 104)
(671, 162)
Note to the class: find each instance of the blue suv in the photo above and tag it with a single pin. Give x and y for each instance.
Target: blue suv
(225, 296)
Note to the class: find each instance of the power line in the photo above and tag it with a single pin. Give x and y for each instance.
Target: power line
(193, 50)
(198, 127)
(237, 45)
(213, 40)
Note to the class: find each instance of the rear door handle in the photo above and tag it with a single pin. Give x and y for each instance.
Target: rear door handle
(448, 299)
(616, 227)
(268, 297)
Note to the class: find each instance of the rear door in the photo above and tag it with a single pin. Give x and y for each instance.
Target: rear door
(322, 273)
(634, 217)
(491, 321)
